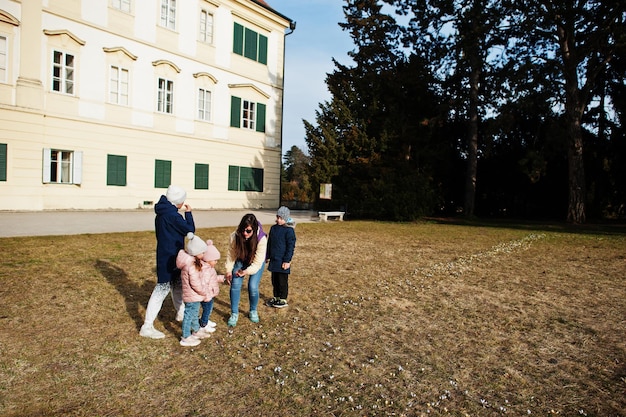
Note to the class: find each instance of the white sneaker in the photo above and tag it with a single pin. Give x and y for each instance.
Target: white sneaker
(208, 328)
(211, 324)
(148, 330)
(201, 334)
(180, 314)
(189, 341)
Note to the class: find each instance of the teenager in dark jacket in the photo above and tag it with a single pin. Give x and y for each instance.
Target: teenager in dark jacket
(280, 247)
(171, 228)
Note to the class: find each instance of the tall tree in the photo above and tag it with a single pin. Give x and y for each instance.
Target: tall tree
(570, 44)
(370, 137)
(296, 185)
(460, 39)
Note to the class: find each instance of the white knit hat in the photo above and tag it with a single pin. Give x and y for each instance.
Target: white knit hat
(175, 195)
(194, 245)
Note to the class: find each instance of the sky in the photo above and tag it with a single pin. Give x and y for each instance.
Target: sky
(309, 53)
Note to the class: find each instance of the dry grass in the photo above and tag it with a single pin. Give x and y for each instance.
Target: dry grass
(384, 320)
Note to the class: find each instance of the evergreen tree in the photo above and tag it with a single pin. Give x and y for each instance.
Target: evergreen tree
(567, 48)
(296, 185)
(371, 138)
(460, 39)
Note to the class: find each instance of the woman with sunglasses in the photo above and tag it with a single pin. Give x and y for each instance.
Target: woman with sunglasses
(246, 256)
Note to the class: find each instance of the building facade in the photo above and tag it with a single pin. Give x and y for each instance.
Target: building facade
(104, 103)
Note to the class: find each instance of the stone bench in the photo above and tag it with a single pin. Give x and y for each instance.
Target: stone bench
(325, 215)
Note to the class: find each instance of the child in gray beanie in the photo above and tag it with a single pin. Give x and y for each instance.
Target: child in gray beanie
(280, 248)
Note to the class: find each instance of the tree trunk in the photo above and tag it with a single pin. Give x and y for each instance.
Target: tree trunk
(576, 204)
(472, 143)
(573, 115)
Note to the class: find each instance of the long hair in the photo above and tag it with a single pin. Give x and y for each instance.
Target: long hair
(198, 263)
(245, 249)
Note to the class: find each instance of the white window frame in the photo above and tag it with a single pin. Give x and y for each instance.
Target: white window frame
(204, 104)
(119, 85)
(122, 5)
(168, 14)
(248, 114)
(206, 27)
(63, 80)
(4, 58)
(62, 166)
(165, 96)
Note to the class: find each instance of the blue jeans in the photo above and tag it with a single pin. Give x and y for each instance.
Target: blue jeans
(253, 288)
(207, 308)
(190, 319)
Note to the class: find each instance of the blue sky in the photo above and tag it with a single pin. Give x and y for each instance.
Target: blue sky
(309, 52)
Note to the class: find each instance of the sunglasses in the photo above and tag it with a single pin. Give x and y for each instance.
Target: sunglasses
(247, 230)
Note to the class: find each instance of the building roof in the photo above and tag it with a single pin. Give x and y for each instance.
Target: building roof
(264, 4)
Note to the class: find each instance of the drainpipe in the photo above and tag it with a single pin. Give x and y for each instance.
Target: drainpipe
(292, 27)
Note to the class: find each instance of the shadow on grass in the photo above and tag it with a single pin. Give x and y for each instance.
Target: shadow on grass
(136, 296)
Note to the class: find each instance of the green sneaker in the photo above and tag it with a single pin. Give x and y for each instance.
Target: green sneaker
(232, 321)
(254, 316)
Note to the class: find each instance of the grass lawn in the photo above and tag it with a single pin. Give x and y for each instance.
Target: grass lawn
(385, 319)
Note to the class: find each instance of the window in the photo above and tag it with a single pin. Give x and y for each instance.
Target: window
(206, 27)
(162, 173)
(3, 161)
(118, 89)
(123, 5)
(4, 52)
(202, 177)
(250, 44)
(116, 170)
(62, 166)
(63, 72)
(168, 14)
(247, 114)
(245, 179)
(165, 96)
(204, 104)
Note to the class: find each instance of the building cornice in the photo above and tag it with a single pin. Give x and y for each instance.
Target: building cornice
(120, 49)
(8, 18)
(66, 32)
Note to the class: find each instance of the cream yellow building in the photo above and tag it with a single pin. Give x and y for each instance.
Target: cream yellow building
(104, 103)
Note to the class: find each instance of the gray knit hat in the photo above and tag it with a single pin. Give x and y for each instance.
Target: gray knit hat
(194, 245)
(283, 212)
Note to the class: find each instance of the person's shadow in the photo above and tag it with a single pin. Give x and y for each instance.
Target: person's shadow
(136, 296)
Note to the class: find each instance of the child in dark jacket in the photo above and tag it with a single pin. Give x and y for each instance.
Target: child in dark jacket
(171, 228)
(280, 248)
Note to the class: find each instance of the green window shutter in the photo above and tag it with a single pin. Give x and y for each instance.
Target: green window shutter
(3, 161)
(202, 177)
(246, 180)
(233, 178)
(250, 44)
(260, 117)
(257, 174)
(116, 170)
(162, 173)
(235, 111)
(263, 49)
(238, 39)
